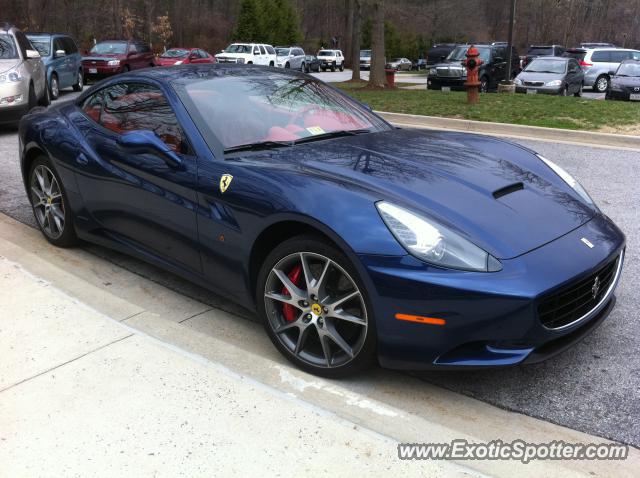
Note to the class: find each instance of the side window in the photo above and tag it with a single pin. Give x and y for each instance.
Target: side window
(573, 65)
(143, 48)
(130, 107)
(262, 50)
(635, 55)
(92, 106)
(256, 50)
(601, 56)
(620, 56)
(23, 43)
(71, 45)
(58, 45)
(270, 50)
(133, 48)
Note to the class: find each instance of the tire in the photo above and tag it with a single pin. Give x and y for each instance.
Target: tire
(303, 68)
(287, 65)
(54, 87)
(33, 99)
(296, 332)
(565, 91)
(333, 67)
(578, 94)
(46, 98)
(126, 69)
(79, 86)
(484, 85)
(271, 63)
(342, 66)
(50, 207)
(249, 63)
(602, 84)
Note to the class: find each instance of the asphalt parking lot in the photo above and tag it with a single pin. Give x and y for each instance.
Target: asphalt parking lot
(594, 387)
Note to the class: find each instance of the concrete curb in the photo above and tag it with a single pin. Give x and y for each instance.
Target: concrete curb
(516, 131)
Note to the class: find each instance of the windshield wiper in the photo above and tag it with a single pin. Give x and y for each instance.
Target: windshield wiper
(259, 146)
(333, 134)
(542, 71)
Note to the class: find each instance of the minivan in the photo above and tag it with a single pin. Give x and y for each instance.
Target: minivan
(62, 61)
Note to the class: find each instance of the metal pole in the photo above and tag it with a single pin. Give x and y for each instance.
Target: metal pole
(512, 21)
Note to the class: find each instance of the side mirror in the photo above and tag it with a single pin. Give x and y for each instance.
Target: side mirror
(59, 54)
(32, 55)
(147, 142)
(612, 73)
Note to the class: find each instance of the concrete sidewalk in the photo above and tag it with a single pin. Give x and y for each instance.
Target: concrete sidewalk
(106, 373)
(84, 395)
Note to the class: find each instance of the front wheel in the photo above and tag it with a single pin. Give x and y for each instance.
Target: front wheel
(342, 66)
(315, 308)
(287, 65)
(484, 85)
(54, 87)
(271, 63)
(50, 205)
(333, 67)
(80, 82)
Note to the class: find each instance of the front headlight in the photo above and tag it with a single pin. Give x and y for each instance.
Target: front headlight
(434, 243)
(179, 62)
(113, 62)
(554, 83)
(432, 72)
(12, 76)
(567, 178)
(518, 82)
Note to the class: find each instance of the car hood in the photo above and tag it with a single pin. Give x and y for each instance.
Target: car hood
(626, 80)
(6, 65)
(102, 57)
(453, 178)
(445, 64)
(533, 76)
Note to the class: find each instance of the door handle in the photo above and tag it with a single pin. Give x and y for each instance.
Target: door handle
(82, 159)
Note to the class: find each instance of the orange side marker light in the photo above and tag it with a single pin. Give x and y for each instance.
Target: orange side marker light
(421, 320)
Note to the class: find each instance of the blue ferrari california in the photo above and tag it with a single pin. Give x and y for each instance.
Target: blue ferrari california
(354, 241)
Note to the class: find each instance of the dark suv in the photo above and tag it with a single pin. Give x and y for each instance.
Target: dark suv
(439, 52)
(542, 50)
(452, 74)
(117, 56)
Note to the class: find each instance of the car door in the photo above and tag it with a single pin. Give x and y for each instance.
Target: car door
(34, 66)
(63, 63)
(138, 198)
(133, 56)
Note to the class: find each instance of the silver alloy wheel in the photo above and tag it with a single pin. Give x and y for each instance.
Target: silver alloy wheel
(602, 84)
(55, 90)
(48, 205)
(329, 325)
(80, 80)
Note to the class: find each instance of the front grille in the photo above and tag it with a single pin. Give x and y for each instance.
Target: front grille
(534, 83)
(577, 300)
(449, 72)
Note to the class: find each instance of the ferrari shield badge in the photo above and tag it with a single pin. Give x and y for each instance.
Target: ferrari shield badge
(225, 182)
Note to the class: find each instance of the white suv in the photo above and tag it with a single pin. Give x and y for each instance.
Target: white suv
(331, 59)
(249, 53)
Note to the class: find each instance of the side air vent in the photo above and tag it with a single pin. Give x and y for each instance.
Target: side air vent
(512, 188)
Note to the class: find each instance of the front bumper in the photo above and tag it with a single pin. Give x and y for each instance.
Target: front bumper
(100, 71)
(436, 83)
(624, 94)
(14, 101)
(541, 90)
(491, 318)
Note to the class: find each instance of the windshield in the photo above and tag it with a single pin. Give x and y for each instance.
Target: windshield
(8, 50)
(326, 53)
(365, 53)
(459, 54)
(175, 53)
(238, 48)
(42, 44)
(540, 51)
(109, 48)
(283, 51)
(244, 110)
(547, 66)
(629, 69)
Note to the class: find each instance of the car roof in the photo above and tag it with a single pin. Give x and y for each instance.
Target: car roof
(46, 34)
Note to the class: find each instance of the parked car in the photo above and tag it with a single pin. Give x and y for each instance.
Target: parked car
(597, 45)
(331, 59)
(399, 64)
(415, 249)
(625, 82)
(248, 53)
(62, 61)
(535, 51)
(311, 63)
(290, 57)
(184, 56)
(551, 75)
(452, 74)
(438, 53)
(111, 57)
(598, 64)
(23, 83)
(365, 59)
(419, 64)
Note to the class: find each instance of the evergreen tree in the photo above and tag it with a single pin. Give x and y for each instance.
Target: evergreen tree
(248, 26)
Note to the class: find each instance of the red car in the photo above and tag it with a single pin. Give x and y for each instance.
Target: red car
(182, 56)
(116, 56)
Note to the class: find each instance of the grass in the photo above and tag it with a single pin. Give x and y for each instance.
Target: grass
(534, 110)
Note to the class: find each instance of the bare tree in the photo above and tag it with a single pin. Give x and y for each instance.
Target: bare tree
(376, 76)
(348, 43)
(355, 40)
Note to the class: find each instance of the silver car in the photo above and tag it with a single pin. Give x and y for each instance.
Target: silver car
(290, 57)
(597, 63)
(22, 76)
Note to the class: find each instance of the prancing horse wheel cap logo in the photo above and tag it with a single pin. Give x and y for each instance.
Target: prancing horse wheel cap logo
(225, 182)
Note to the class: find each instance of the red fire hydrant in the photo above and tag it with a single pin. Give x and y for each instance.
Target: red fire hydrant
(472, 63)
(391, 77)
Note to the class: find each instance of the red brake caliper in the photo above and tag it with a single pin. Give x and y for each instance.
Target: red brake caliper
(288, 310)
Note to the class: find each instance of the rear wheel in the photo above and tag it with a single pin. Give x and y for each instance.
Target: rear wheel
(287, 65)
(271, 63)
(333, 67)
(49, 202)
(342, 66)
(54, 87)
(484, 85)
(33, 100)
(126, 68)
(303, 67)
(315, 309)
(602, 84)
(80, 82)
